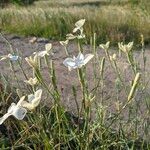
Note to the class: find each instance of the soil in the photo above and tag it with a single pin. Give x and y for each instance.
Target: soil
(66, 79)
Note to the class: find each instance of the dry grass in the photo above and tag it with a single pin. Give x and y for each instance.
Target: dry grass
(114, 21)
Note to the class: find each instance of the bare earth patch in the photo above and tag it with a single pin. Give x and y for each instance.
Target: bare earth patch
(65, 78)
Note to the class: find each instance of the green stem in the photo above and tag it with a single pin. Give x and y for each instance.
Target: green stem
(66, 50)
(131, 62)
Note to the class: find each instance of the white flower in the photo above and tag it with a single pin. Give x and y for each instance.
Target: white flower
(81, 36)
(33, 100)
(19, 110)
(105, 46)
(48, 47)
(126, 47)
(31, 81)
(79, 25)
(70, 36)
(77, 62)
(113, 57)
(15, 110)
(64, 43)
(32, 61)
(10, 56)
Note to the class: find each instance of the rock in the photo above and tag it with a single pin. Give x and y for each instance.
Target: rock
(33, 40)
(42, 40)
(14, 37)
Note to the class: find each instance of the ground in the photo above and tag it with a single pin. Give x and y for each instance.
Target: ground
(66, 79)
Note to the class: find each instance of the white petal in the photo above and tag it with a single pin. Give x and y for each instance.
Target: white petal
(70, 36)
(27, 105)
(11, 108)
(30, 98)
(33, 100)
(42, 53)
(19, 112)
(31, 81)
(38, 93)
(75, 29)
(80, 23)
(3, 57)
(2, 119)
(64, 43)
(81, 30)
(80, 57)
(31, 105)
(48, 47)
(69, 68)
(15, 110)
(130, 45)
(14, 58)
(88, 57)
(82, 36)
(34, 53)
(69, 62)
(20, 101)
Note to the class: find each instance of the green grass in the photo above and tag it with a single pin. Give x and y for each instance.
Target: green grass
(53, 127)
(111, 20)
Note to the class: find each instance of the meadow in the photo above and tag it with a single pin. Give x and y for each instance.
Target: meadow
(114, 20)
(90, 66)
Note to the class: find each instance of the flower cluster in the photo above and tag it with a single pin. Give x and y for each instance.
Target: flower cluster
(19, 110)
(77, 31)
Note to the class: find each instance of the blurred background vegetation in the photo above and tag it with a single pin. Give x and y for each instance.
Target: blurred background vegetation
(114, 20)
(17, 2)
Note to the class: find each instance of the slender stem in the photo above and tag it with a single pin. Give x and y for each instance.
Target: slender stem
(66, 50)
(12, 68)
(22, 70)
(119, 76)
(131, 62)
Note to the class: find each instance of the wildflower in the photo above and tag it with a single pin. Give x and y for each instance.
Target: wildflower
(10, 56)
(48, 47)
(79, 25)
(19, 110)
(113, 57)
(77, 62)
(126, 48)
(81, 36)
(33, 100)
(105, 46)
(32, 61)
(70, 36)
(64, 43)
(31, 81)
(15, 110)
